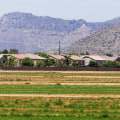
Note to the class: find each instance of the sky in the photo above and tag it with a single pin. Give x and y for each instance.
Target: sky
(90, 10)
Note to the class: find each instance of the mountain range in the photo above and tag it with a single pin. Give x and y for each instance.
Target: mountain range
(29, 33)
(105, 40)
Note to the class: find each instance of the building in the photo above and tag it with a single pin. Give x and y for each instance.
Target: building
(35, 58)
(20, 57)
(57, 57)
(78, 59)
(97, 58)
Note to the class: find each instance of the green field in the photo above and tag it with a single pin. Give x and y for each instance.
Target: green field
(58, 77)
(58, 89)
(62, 73)
(42, 108)
(13, 108)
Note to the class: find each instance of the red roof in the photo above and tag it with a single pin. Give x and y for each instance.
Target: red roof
(18, 56)
(58, 57)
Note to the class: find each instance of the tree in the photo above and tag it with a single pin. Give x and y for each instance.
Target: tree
(27, 62)
(82, 53)
(67, 61)
(5, 51)
(13, 51)
(109, 54)
(76, 63)
(11, 61)
(87, 53)
(93, 64)
(42, 54)
(49, 62)
(111, 64)
(58, 64)
(40, 64)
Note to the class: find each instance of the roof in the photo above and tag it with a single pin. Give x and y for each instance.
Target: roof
(75, 57)
(95, 57)
(18, 56)
(102, 57)
(58, 57)
(110, 58)
(34, 57)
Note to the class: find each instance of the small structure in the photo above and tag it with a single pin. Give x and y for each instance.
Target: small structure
(20, 57)
(56, 57)
(35, 57)
(100, 59)
(97, 58)
(77, 59)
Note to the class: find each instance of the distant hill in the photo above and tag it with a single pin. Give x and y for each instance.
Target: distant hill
(29, 33)
(105, 40)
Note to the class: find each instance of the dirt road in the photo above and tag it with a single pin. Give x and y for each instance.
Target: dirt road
(63, 95)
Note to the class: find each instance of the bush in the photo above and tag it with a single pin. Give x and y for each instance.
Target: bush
(111, 64)
(27, 62)
(40, 64)
(93, 64)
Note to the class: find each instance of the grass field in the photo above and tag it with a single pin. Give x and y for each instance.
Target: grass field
(59, 77)
(58, 89)
(56, 108)
(59, 108)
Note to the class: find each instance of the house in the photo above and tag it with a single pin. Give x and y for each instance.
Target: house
(76, 58)
(97, 58)
(100, 59)
(35, 58)
(57, 57)
(20, 57)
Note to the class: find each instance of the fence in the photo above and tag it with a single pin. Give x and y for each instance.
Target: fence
(60, 68)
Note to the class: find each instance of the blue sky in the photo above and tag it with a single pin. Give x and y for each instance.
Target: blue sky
(90, 10)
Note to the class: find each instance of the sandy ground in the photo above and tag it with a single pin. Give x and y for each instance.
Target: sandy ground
(64, 71)
(63, 95)
(92, 76)
(39, 83)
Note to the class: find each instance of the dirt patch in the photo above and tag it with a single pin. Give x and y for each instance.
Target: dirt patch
(63, 95)
(92, 76)
(40, 83)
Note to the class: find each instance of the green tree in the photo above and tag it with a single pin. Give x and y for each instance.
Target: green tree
(42, 54)
(58, 64)
(5, 51)
(27, 62)
(111, 64)
(87, 53)
(67, 61)
(11, 61)
(13, 51)
(82, 53)
(49, 62)
(76, 63)
(109, 54)
(93, 64)
(40, 64)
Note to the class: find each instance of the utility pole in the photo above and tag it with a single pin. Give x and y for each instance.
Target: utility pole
(59, 47)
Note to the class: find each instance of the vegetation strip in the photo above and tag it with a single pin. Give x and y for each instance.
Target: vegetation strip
(56, 108)
(63, 96)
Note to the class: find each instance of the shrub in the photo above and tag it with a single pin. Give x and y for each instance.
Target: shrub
(27, 62)
(40, 64)
(111, 64)
(93, 64)
(59, 102)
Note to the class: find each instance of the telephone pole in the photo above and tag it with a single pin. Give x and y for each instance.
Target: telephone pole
(59, 47)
